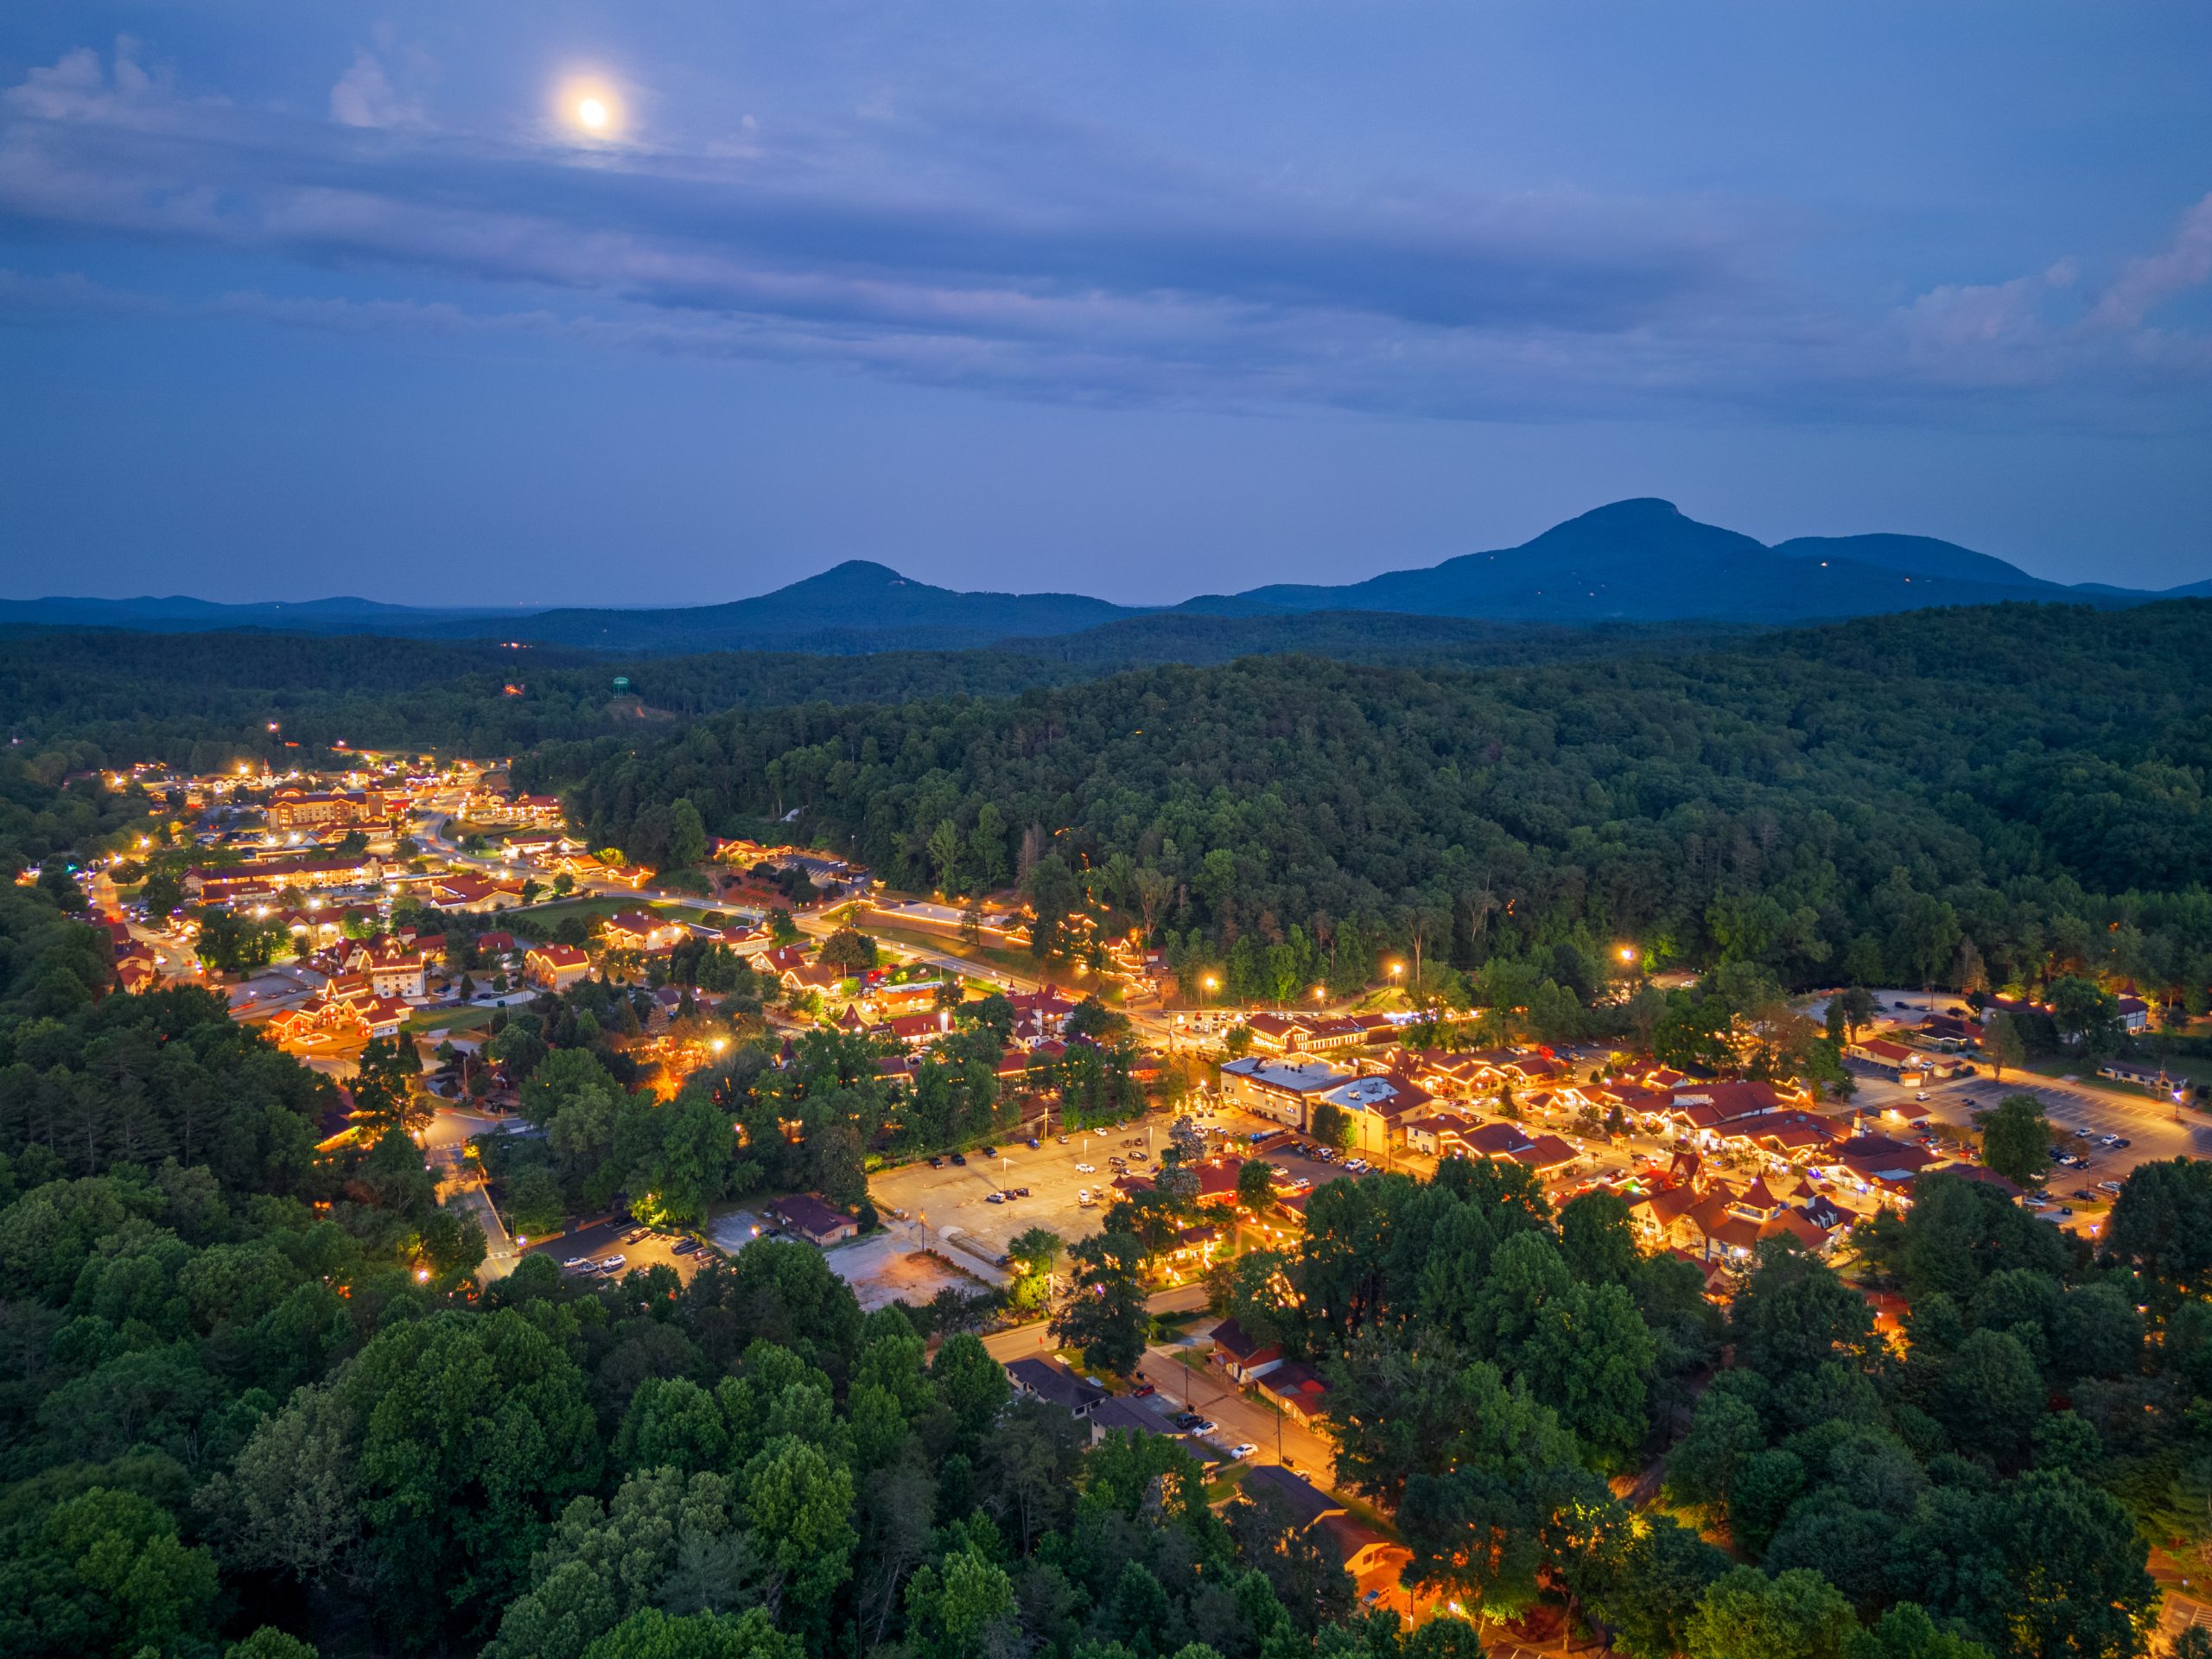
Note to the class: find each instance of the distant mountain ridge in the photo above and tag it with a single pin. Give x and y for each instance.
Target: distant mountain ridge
(856, 605)
(1636, 562)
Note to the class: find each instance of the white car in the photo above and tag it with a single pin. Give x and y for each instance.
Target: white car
(1086, 1169)
(577, 1264)
(1238, 1453)
(613, 1264)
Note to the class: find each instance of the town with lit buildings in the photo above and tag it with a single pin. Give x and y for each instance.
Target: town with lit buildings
(410, 903)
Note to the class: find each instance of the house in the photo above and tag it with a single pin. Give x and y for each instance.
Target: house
(1546, 1155)
(1499, 1139)
(1981, 1176)
(1304, 1504)
(2143, 1077)
(1885, 1055)
(1115, 1414)
(1726, 1230)
(1948, 1031)
(1787, 1133)
(1217, 1179)
(467, 891)
(1362, 1551)
(1439, 1135)
(555, 967)
(293, 809)
(1381, 1107)
(634, 929)
(1289, 1033)
(1282, 1090)
(2134, 1014)
(1244, 1357)
(1875, 1158)
(135, 970)
(1043, 1380)
(1274, 1033)
(1194, 1247)
(1297, 1387)
(914, 1030)
(216, 887)
(813, 1220)
(1663, 1216)
(393, 968)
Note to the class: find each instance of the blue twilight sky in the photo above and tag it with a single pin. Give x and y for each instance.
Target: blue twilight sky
(1136, 299)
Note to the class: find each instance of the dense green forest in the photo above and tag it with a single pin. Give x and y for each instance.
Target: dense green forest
(246, 1390)
(103, 698)
(1996, 794)
(249, 1395)
(1979, 1486)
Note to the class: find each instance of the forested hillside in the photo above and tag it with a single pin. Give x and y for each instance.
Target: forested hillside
(109, 698)
(1904, 799)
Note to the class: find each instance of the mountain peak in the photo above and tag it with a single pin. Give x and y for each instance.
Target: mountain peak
(854, 572)
(1635, 507)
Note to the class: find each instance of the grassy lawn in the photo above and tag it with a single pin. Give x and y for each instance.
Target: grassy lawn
(597, 905)
(1019, 963)
(449, 1019)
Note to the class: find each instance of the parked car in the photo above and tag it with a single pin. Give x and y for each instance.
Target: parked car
(614, 1264)
(1241, 1451)
(684, 1246)
(2107, 1186)
(960, 1159)
(936, 1163)
(1144, 1388)
(1063, 1140)
(637, 1236)
(990, 1152)
(2108, 1139)
(1204, 1425)
(577, 1264)
(1019, 1192)
(994, 1197)
(1083, 1199)
(1922, 1095)
(2084, 1192)
(1086, 1169)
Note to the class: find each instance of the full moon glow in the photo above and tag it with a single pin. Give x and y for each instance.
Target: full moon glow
(589, 106)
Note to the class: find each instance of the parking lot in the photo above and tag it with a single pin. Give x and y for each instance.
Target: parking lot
(2091, 1112)
(613, 1238)
(951, 1204)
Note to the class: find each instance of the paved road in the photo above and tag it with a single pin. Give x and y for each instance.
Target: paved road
(445, 1143)
(1203, 1390)
(1242, 1419)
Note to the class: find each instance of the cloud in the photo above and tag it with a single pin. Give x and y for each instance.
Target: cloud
(2148, 283)
(1025, 253)
(365, 96)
